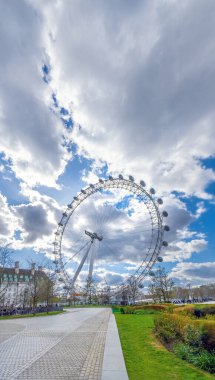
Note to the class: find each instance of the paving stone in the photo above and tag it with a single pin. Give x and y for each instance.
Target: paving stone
(56, 350)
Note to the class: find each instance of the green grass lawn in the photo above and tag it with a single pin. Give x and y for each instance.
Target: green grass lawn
(145, 357)
(32, 315)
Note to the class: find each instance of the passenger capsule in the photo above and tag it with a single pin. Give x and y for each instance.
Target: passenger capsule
(166, 228)
(110, 178)
(131, 178)
(165, 214)
(160, 201)
(120, 176)
(101, 180)
(143, 184)
(83, 191)
(151, 273)
(152, 191)
(159, 259)
(165, 244)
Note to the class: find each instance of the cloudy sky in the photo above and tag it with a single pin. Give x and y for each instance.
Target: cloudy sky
(91, 89)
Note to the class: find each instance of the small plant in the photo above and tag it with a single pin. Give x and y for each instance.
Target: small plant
(165, 328)
(193, 336)
(205, 360)
(183, 351)
(202, 359)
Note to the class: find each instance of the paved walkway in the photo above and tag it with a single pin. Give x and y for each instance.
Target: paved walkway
(65, 346)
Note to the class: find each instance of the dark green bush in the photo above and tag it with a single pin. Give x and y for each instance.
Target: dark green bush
(205, 360)
(199, 357)
(184, 351)
(199, 313)
(193, 336)
(146, 312)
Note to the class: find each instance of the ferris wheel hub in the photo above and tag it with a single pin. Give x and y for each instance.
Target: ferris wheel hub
(93, 235)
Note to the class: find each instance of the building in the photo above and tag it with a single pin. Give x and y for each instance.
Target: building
(21, 287)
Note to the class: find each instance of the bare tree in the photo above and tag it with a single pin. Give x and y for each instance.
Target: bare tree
(48, 283)
(133, 289)
(104, 296)
(161, 286)
(89, 290)
(5, 262)
(39, 286)
(194, 293)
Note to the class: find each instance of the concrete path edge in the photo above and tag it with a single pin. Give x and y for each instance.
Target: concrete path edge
(113, 361)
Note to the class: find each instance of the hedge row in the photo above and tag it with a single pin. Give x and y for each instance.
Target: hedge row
(195, 311)
(132, 309)
(173, 328)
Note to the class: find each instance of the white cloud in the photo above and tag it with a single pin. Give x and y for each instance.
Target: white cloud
(201, 209)
(196, 273)
(130, 80)
(37, 220)
(8, 221)
(183, 250)
(33, 137)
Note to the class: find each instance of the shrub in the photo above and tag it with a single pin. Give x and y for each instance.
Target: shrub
(146, 311)
(184, 310)
(132, 309)
(172, 327)
(128, 310)
(201, 358)
(183, 351)
(208, 335)
(199, 313)
(209, 310)
(165, 330)
(205, 360)
(193, 336)
(152, 307)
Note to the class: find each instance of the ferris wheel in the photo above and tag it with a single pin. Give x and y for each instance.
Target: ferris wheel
(111, 232)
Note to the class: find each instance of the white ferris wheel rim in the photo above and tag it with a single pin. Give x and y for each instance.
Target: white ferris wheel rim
(152, 204)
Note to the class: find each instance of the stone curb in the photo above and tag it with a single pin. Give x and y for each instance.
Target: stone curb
(113, 362)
